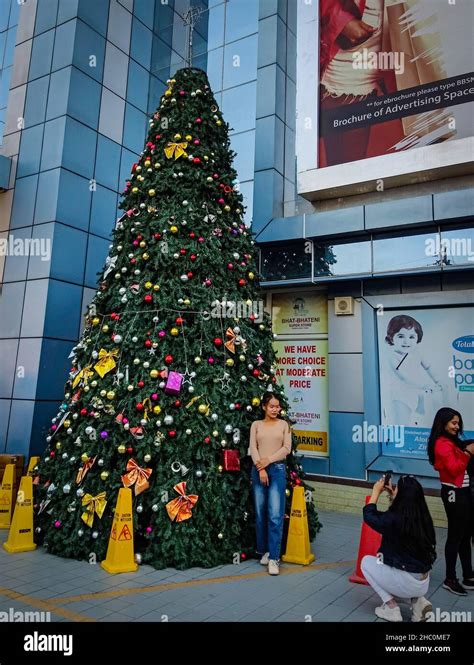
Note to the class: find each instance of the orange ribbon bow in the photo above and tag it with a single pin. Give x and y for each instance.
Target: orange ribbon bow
(81, 474)
(181, 507)
(137, 476)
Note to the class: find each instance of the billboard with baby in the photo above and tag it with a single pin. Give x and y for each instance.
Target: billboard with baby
(426, 361)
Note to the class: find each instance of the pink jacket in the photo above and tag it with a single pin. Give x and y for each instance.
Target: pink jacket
(334, 16)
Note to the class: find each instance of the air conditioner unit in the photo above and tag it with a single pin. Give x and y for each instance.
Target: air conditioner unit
(343, 305)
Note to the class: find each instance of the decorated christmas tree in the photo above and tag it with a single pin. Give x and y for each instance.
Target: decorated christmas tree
(174, 358)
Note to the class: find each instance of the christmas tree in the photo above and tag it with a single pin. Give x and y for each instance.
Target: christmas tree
(175, 355)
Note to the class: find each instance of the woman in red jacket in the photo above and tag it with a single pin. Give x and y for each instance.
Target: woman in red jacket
(450, 456)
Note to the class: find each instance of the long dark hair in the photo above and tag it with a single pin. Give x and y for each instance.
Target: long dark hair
(267, 396)
(417, 533)
(440, 421)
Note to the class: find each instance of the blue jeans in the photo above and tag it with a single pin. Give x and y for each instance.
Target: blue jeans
(270, 508)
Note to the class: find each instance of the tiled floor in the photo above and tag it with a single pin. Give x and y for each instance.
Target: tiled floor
(77, 591)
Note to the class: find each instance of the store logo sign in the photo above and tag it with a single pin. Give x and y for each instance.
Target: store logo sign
(465, 344)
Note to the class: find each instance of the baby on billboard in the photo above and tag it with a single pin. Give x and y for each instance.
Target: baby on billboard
(415, 392)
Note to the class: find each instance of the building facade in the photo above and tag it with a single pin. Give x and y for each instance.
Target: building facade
(79, 79)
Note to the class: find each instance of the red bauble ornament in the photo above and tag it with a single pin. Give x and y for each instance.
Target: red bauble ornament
(179, 320)
(230, 266)
(157, 236)
(177, 403)
(148, 343)
(182, 252)
(198, 120)
(52, 454)
(221, 200)
(242, 282)
(193, 257)
(141, 384)
(139, 237)
(148, 298)
(256, 372)
(196, 160)
(222, 185)
(129, 450)
(158, 137)
(217, 341)
(169, 359)
(190, 275)
(172, 433)
(243, 556)
(215, 175)
(139, 406)
(192, 234)
(207, 439)
(133, 261)
(83, 412)
(237, 405)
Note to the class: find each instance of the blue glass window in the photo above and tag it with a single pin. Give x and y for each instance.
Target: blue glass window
(41, 54)
(140, 48)
(58, 93)
(107, 163)
(288, 261)
(63, 310)
(69, 253)
(241, 19)
(79, 148)
(10, 312)
(342, 259)
(35, 105)
(89, 51)
(46, 12)
(74, 200)
(84, 98)
(30, 151)
(135, 126)
(104, 209)
(240, 62)
(28, 357)
(408, 252)
(97, 252)
(64, 44)
(23, 202)
(238, 107)
(138, 80)
(53, 143)
(8, 351)
(457, 247)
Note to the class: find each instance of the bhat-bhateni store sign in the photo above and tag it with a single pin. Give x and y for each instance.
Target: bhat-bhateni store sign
(298, 313)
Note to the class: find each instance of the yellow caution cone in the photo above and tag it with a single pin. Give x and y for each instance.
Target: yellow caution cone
(6, 496)
(297, 546)
(120, 553)
(33, 462)
(20, 537)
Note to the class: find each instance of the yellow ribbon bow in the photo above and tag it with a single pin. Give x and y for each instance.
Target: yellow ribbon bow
(148, 407)
(93, 504)
(176, 150)
(230, 345)
(106, 362)
(136, 475)
(81, 474)
(83, 374)
(181, 507)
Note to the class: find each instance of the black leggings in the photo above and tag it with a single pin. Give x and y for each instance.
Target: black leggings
(457, 504)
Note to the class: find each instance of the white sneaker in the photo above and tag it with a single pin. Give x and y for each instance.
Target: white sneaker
(389, 613)
(273, 567)
(420, 608)
(265, 559)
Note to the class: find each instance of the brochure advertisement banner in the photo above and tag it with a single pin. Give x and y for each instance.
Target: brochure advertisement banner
(392, 76)
(301, 368)
(426, 361)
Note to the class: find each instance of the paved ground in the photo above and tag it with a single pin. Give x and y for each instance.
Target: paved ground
(77, 591)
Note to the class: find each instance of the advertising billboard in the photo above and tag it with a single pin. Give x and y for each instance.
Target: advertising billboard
(394, 75)
(426, 361)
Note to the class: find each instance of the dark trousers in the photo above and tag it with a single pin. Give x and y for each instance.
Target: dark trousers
(457, 504)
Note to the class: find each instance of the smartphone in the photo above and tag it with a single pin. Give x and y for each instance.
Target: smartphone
(387, 477)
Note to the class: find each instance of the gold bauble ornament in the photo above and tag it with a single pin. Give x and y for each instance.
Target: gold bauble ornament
(220, 468)
(145, 256)
(202, 408)
(105, 328)
(67, 423)
(58, 445)
(147, 162)
(168, 93)
(287, 492)
(84, 457)
(219, 122)
(143, 244)
(154, 373)
(227, 208)
(95, 321)
(157, 410)
(187, 301)
(148, 285)
(174, 331)
(189, 137)
(135, 190)
(174, 229)
(104, 475)
(177, 137)
(255, 401)
(94, 384)
(242, 358)
(229, 362)
(151, 192)
(156, 287)
(103, 393)
(111, 394)
(121, 448)
(197, 360)
(251, 275)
